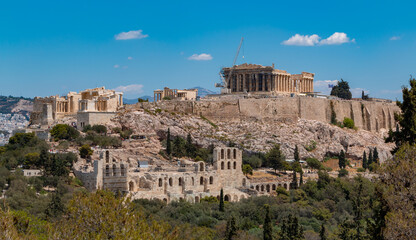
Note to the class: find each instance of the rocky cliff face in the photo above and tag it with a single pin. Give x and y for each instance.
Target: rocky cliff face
(259, 135)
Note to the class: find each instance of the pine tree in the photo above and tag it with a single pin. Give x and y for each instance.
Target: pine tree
(222, 201)
(365, 163)
(291, 229)
(231, 229)
(341, 159)
(322, 233)
(375, 155)
(168, 144)
(267, 226)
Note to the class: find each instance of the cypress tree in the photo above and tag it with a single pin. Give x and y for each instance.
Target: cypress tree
(365, 163)
(322, 232)
(55, 207)
(296, 154)
(370, 158)
(294, 180)
(168, 144)
(231, 229)
(341, 159)
(375, 155)
(301, 177)
(222, 201)
(267, 226)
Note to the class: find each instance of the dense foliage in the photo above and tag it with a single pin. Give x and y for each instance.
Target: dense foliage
(342, 90)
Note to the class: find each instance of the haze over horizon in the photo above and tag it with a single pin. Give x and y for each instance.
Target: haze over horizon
(49, 48)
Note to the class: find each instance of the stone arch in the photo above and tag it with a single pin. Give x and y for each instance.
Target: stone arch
(211, 180)
(196, 199)
(222, 165)
(235, 153)
(228, 165)
(201, 181)
(165, 200)
(274, 187)
(201, 167)
(170, 182)
(258, 188)
(285, 185)
(131, 186)
(222, 153)
(235, 198)
(180, 181)
(114, 170)
(262, 188)
(242, 197)
(244, 182)
(193, 181)
(228, 153)
(235, 165)
(227, 198)
(107, 156)
(122, 169)
(160, 182)
(268, 188)
(107, 170)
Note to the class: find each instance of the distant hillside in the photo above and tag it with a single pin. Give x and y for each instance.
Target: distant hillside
(16, 105)
(202, 92)
(134, 100)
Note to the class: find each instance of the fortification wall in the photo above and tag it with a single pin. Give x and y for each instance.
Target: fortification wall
(367, 115)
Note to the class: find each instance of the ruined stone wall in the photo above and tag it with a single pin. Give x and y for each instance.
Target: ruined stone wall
(367, 115)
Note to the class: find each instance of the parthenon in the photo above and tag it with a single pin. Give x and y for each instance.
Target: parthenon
(266, 79)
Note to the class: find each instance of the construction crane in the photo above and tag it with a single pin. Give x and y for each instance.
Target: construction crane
(224, 82)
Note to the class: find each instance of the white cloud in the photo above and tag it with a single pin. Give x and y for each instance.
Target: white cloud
(129, 90)
(336, 39)
(302, 40)
(313, 40)
(135, 34)
(129, 58)
(394, 38)
(200, 57)
(116, 66)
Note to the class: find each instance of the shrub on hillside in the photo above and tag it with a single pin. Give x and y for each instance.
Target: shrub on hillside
(64, 131)
(348, 123)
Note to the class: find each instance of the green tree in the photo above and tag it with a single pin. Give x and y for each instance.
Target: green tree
(333, 114)
(63, 131)
(231, 229)
(314, 163)
(341, 160)
(247, 169)
(342, 90)
(375, 155)
(406, 118)
(85, 151)
(322, 232)
(364, 96)
(168, 144)
(190, 147)
(301, 177)
(342, 172)
(291, 229)
(294, 182)
(296, 154)
(55, 207)
(179, 147)
(276, 159)
(32, 159)
(221, 205)
(267, 226)
(370, 158)
(365, 163)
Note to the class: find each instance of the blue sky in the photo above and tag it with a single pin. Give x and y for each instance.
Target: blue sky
(52, 47)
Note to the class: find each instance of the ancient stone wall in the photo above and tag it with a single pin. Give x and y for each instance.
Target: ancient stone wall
(367, 115)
